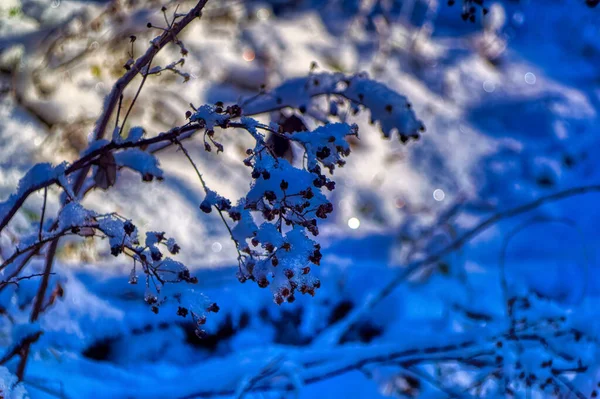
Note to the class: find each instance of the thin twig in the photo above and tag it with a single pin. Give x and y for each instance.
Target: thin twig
(139, 90)
(570, 387)
(119, 108)
(16, 281)
(187, 155)
(43, 213)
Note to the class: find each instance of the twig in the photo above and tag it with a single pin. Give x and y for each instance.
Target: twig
(16, 349)
(38, 304)
(571, 387)
(119, 108)
(43, 213)
(16, 282)
(187, 155)
(139, 90)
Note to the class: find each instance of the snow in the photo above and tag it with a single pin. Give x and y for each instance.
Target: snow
(139, 161)
(496, 138)
(9, 386)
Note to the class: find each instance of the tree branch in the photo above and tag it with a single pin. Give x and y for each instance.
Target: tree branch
(110, 103)
(333, 334)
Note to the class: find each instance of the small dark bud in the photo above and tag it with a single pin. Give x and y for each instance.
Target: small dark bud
(278, 299)
(182, 311)
(175, 249)
(263, 282)
(270, 196)
(205, 207)
(115, 250)
(156, 255)
(323, 152)
(129, 228)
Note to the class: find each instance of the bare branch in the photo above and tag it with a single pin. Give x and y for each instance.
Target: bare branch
(336, 331)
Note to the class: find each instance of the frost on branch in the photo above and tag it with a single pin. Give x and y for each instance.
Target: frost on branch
(34, 179)
(140, 161)
(326, 144)
(73, 215)
(209, 117)
(148, 258)
(135, 134)
(214, 199)
(390, 109)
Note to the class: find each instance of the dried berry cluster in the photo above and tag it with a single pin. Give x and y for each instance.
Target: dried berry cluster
(273, 223)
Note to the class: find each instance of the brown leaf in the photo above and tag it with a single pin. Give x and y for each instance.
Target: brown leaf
(106, 174)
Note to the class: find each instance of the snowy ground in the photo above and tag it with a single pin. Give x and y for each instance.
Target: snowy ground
(511, 114)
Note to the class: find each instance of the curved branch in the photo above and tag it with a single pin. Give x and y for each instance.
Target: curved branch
(88, 159)
(333, 334)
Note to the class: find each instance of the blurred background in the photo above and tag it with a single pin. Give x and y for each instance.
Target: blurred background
(510, 105)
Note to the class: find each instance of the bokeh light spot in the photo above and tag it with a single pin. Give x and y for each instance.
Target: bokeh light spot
(216, 247)
(353, 223)
(489, 86)
(530, 78)
(248, 55)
